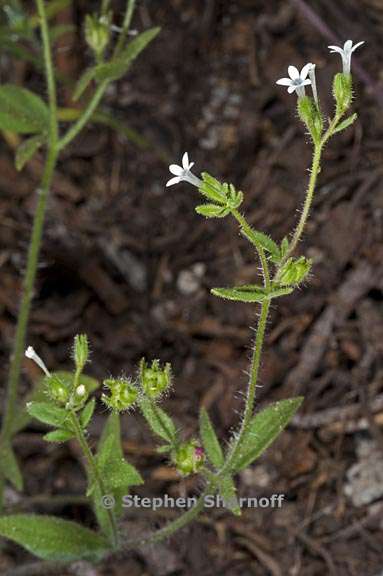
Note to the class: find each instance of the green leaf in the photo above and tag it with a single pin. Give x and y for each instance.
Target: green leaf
(164, 449)
(212, 211)
(284, 247)
(27, 150)
(87, 413)
(250, 293)
(228, 491)
(60, 435)
(47, 413)
(263, 429)
(22, 111)
(212, 188)
(346, 123)
(260, 239)
(117, 68)
(9, 467)
(209, 440)
(160, 423)
(90, 383)
(84, 82)
(51, 538)
(118, 475)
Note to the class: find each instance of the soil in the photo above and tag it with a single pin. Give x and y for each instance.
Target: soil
(131, 264)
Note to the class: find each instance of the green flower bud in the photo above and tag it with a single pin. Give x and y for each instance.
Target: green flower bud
(97, 32)
(294, 271)
(56, 389)
(154, 379)
(342, 90)
(189, 457)
(123, 394)
(81, 350)
(311, 116)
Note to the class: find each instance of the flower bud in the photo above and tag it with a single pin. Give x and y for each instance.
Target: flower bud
(310, 115)
(81, 351)
(123, 394)
(97, 32)
(294, 271)
(154, 379)
(342, 89)
(189, 458)
(57, 390)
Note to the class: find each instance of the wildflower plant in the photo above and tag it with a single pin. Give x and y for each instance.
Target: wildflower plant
(65, 401)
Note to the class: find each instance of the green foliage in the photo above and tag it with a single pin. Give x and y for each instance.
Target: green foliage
(265, 242)
(160, 423)
(250, 293)
(22, 111)
(51, 538)
(60, 435)
(210, 441)
(225, 196)
(28, 149)
(9, 466)
(346, 123)
(228, 491)
(59, 385)
(47, 413)
(212, 211)
(262, 430)
(311, 116)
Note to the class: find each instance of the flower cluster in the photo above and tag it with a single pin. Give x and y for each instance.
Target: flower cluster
(306, 77)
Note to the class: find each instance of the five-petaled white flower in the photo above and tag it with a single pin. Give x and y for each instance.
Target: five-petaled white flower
(31, 354)
(183, 173)
(297, 81)
(346, 53)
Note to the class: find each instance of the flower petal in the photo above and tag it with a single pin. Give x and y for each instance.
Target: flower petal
(293, 72)
(175, 169)
(305, 70)
(357, 46)
(172, 181)
(291, 89)
(347, 46)
(185, 161)
(306, 82)
(284, 82)
(336, 49)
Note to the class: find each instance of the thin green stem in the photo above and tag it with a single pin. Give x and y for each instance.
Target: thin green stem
(85, 116)
(94, 472)
(261, 253)
(35, 242)
(130, 5)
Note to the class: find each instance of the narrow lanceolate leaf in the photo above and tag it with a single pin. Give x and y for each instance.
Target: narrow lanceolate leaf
(27, 150)
(117, 68)
(250, 293)
(158, 420)
(212, 211)
(346, 123)
(210, 441)
(22, 111)
(60, 435)
(228, 492)
(9, 467)
(264, 241)
(51, 538)
(47, 413)
(212, 188)
(263, 429)
(87, 413)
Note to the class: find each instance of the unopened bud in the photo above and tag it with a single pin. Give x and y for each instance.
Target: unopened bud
(189, 458)
(123, 394)
(154, 379)
(294, 271)
(97, 32)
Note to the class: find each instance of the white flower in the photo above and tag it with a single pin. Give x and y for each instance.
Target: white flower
(31, 354)
(297, 81)
(80, 390)
(183, 173)
(313, 82)
(346, 53)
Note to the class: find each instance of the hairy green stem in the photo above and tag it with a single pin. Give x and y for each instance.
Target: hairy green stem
(93, 469)
(35, 242)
